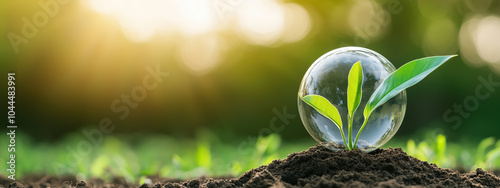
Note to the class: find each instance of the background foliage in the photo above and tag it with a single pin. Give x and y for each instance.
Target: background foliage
(233, 75)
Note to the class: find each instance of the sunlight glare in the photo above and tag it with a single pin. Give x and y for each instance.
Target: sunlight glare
(197, 16)
(488, 39)
(143, 19)
(261, 22)
(201, 54)
(467, 42)
(105, 6)
(479, 41)
(297, 23)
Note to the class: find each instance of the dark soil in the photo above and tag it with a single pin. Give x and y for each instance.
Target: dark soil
(318, 167)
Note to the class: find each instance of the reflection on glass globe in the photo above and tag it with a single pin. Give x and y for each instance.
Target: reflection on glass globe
(328, 77)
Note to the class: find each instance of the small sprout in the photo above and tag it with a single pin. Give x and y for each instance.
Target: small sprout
(411, 148)
(425, 151)
(203, 155)
(355, 81)
(236, 168)
(403, 78)
(98, 167)
(481, 149)
(492, 159)
(440, 146)
(142, 180)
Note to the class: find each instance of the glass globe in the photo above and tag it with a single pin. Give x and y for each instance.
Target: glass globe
(328, 77)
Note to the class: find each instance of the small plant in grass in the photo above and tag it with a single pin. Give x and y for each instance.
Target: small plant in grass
(488, 154)
(360, 63)
(466, 156)
(434, 150)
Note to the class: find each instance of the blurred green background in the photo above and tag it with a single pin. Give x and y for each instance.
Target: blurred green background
(233, 67)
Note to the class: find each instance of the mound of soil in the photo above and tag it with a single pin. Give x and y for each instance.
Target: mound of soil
(321, 167)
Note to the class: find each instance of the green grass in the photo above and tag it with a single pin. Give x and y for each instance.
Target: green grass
(136, 156)
(466, 155)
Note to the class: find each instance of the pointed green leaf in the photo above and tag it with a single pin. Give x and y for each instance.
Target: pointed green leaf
(483, 147)
(324, 107)
(355, 81)
(406, 76)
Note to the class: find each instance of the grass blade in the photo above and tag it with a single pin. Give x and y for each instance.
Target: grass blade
(482, 148)
(491, 157)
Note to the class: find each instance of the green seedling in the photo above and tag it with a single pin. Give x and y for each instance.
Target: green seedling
(440, 149)
(433, 150)
(401, 79)
(203, 155)
(488, 154)
(482, 149)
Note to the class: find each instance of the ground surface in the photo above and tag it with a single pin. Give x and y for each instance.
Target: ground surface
(316, 167)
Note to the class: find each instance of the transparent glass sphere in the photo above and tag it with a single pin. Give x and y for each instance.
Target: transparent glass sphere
(328, 77)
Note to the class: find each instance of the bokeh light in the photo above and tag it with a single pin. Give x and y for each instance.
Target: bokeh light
(297, 23)
(480, 41)
(221, 63)
(368, 18)
(140, 20)
(436, 9)
(478, 5)
(198, 26)
(201, 54)
(488, 39)
(261, 22)
(440, 38)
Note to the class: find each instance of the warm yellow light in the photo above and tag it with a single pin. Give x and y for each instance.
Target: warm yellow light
(105, 6)
(297, 23)
(201, 54)
(196, 26)
(367, 19)
(143, 19)
(488, 39)
(479, 41)
(467, 42)
(197, 16)
(261, 21)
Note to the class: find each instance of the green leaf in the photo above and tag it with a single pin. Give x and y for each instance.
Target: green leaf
(236, 168)
(98, 167)
(411, 147)
(142, 179)
(355, 81)
(491, 157)
(440, 148)
(403, 78)
(324, 107)
(203, 155)
(483, 146)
